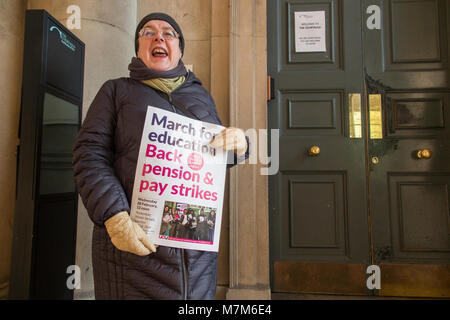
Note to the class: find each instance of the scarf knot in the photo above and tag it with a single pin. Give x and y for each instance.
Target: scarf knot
(165, 81)
(139, 71)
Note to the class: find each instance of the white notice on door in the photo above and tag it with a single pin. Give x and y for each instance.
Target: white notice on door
(310, 31)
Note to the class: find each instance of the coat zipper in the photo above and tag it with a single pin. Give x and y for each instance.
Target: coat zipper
(170, 101)
(183, 262)
(185, 281)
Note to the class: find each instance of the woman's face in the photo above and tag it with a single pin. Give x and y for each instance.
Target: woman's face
(158, 53)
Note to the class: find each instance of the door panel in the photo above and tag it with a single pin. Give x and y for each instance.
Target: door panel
(414, 280)
(312, 113)
(417, 115)
(321, 207)
(411, 49)
(419, 214)
(318, 202)
(343, 278)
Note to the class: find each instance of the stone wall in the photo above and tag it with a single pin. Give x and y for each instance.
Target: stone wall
(12, 17)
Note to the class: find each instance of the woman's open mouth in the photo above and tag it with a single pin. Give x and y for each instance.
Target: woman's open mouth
(159, 53)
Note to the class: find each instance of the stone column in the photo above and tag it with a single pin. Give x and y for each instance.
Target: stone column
(12, 25)
(220, 90)
(249, 232)
(107, 29)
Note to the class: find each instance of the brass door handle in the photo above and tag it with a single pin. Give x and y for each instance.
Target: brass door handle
(314, 151)
(424, 154)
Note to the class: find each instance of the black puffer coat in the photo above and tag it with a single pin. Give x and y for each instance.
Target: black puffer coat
(104, 162)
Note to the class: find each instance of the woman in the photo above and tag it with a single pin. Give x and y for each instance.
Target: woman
(192, 225)
(211, 221)
(184, 224)
(165, 223)
(175, 230)
(202, 226)
(126, 264)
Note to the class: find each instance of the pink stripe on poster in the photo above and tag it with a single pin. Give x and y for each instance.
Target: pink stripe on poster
(186, 240)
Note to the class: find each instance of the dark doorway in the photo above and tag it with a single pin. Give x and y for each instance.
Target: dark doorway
(43, 253)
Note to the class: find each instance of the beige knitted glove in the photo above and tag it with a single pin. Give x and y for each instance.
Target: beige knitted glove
(127, 235)
(231, 139)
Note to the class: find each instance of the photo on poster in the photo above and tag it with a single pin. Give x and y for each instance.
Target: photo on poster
(188, 223)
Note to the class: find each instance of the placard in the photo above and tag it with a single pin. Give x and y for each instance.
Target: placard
(179, 182)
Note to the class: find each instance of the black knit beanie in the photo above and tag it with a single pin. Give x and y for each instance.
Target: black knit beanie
(159, 16)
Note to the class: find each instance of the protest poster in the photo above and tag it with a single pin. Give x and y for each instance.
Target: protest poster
(179, 182)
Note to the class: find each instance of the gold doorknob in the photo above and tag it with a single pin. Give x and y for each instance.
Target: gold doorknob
(424, 154)
(375, 160)
(314, 151)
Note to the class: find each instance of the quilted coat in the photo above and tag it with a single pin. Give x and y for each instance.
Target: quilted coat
(104, 163)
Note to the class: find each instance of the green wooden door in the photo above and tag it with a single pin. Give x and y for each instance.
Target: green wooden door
(318, 205)
(370, 98)
(407, 64)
